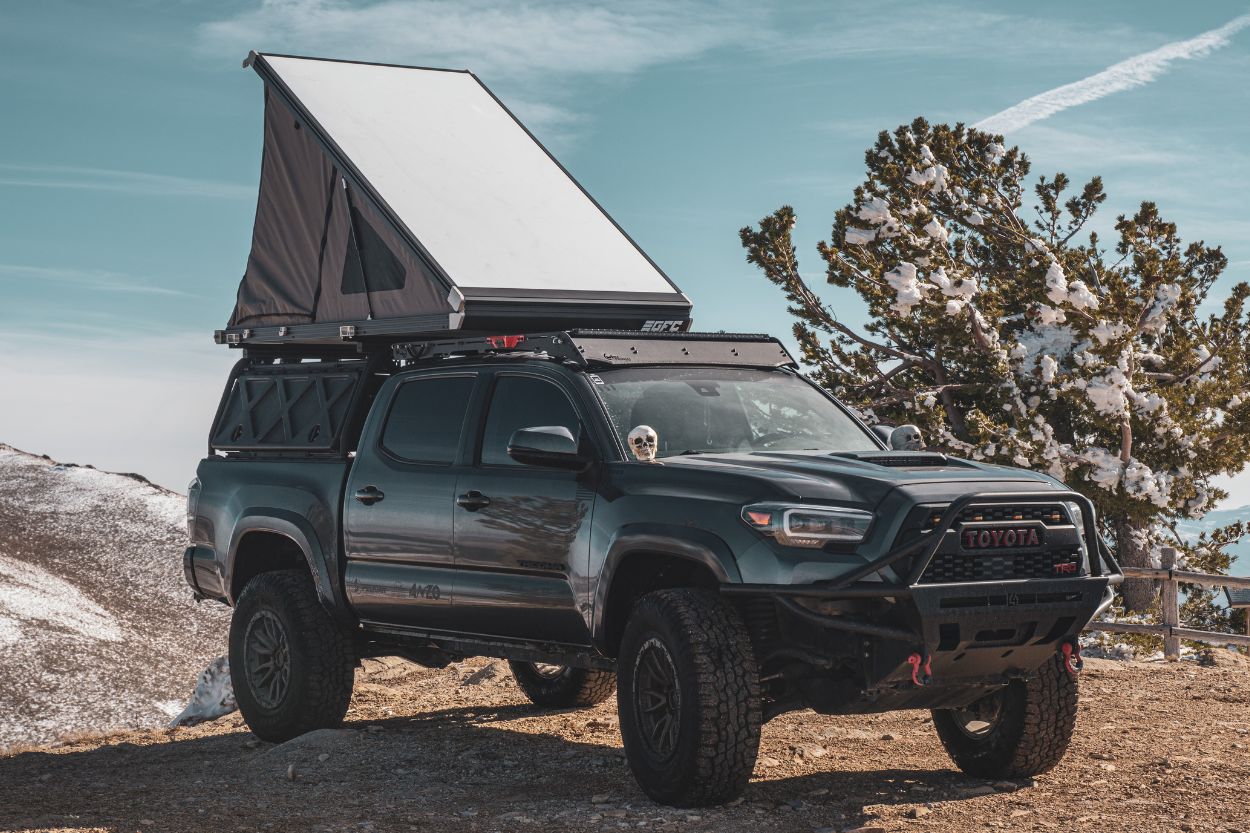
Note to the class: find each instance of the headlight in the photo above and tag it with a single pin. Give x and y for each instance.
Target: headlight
(193, 503)
(807, 526)
(1077, 516)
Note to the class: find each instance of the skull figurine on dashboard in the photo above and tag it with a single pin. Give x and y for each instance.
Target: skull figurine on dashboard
(907, 438)
(644, 442)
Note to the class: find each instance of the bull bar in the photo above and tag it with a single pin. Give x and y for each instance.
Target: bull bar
(1064, 599)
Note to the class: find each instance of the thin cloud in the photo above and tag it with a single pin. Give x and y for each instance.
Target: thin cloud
(1133, 72)
(495, 38)
(96, 279)
(126, 182)
(533, 51)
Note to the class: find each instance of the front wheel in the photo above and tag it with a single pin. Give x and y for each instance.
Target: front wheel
(291, 665)
(562, 686)
(1016, 732)
(688, 696)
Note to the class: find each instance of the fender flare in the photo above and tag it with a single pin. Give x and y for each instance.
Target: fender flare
(683, 542)
(299, 531)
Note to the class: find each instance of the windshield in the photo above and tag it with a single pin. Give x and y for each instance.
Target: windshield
(699, 410)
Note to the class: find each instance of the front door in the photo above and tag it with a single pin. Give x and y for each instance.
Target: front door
(522, 532)
(399, 501)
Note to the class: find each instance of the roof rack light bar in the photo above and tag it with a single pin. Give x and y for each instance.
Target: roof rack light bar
(555, 345)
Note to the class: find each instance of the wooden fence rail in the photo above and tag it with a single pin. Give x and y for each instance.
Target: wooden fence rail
(1170, 628)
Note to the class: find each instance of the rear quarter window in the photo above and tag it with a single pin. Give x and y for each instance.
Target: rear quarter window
(426, 419)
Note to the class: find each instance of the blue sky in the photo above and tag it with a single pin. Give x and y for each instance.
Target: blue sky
(130, 148)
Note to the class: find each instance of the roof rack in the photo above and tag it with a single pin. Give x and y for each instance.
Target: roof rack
(557, 346)
(583, 348)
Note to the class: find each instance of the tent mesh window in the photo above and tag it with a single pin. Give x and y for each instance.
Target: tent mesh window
(369, 265)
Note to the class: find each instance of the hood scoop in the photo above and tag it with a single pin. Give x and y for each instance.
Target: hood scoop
(900, 459)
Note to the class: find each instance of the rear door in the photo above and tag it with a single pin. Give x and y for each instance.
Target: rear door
(523, 532)
(399, 500)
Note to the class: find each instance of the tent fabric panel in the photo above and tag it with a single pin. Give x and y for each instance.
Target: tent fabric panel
(421, 292)
(466, 180)
(415, 291)
(370, 265)
(279, 285)
(332, 304)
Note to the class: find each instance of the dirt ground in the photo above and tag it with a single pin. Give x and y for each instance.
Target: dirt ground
(1159, 747)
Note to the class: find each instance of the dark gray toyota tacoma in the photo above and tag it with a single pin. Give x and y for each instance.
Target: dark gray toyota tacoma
(681, 517)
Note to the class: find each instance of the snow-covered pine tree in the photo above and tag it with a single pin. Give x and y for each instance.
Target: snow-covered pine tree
(1013, 336)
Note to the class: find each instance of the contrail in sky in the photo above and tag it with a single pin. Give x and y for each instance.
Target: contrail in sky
(126, 182)
(1131, 72)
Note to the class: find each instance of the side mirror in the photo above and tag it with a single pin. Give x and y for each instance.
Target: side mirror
(883, 432)
(552, 446)
(906, 438)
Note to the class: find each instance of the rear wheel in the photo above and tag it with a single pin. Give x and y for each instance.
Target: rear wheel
(291, 665)
(562, 686)
(688, 697)
(1018, 731)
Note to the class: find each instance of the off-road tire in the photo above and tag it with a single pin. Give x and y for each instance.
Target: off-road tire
(321, 659)
(1031, 733)
(704, 645)
(571, 688)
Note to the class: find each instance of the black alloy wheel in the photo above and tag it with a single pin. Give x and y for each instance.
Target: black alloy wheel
(657, 699)
(979, 719)
(267, 659)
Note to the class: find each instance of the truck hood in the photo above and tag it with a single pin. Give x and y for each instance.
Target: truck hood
(865, 478)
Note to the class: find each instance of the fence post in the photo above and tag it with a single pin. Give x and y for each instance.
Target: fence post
(1171, 606)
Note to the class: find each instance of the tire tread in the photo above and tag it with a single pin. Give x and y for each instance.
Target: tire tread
(1031, 737)
(326, 649)
(581, 687)
(718, 647)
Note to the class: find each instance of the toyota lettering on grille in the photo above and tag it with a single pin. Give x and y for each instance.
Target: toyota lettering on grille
(1000, 538)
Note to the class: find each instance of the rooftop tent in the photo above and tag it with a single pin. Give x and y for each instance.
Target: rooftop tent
(398, 200)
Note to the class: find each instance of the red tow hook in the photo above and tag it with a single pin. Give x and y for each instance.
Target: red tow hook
(1072, 657)
(921, 673)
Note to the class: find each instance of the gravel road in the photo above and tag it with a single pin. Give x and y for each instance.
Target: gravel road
(1159, 747)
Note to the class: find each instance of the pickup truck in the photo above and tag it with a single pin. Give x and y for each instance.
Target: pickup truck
(680, 517)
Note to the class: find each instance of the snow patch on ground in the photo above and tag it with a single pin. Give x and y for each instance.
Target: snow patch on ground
(10, 631)
(31, 596)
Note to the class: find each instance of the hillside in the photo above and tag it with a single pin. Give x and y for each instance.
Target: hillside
(97, 629)
(1159, 747)
(1190, 529)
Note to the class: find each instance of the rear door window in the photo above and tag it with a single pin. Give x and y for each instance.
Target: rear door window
(523, 402)
(427, 418)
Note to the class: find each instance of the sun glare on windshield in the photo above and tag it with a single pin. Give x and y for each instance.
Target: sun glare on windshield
(727, 410)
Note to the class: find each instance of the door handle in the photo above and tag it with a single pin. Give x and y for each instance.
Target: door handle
(473, 500)
(369, 495)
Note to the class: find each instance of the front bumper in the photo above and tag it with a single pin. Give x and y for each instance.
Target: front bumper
(973, 635)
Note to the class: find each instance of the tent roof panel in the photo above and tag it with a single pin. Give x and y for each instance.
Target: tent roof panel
(493, 209)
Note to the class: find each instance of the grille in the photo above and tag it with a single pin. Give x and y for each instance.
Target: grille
(1049, 515)
(956, 567)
